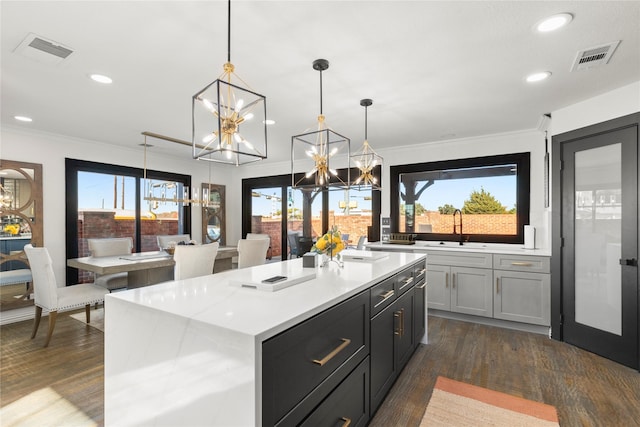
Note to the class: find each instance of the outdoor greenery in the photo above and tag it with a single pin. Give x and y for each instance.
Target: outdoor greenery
(482, 202)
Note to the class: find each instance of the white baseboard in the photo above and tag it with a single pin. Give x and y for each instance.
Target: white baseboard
(17, 315)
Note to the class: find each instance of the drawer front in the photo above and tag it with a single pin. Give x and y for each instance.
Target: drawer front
(404, 281)
(534, 264)
(460, 259)
(299, 359)
(348, 404)
(419, 273)
(382, 295)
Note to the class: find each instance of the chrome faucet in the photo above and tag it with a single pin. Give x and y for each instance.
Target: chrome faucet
(456, 212)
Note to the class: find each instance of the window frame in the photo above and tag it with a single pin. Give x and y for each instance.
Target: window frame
(523, 187)
(74, 166)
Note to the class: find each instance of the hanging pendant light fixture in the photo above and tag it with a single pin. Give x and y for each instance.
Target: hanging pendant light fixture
(159, 192)
(320, 153)
(229, 122)
(367, 159)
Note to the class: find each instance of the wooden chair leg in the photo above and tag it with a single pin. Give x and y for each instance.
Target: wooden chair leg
(36, 321)
(87, 312)
(52, 324)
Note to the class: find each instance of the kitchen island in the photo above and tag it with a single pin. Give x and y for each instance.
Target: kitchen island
(210, 351)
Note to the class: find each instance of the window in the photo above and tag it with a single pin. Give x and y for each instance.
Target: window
(490, 193)
(309, 213)
(105, 200)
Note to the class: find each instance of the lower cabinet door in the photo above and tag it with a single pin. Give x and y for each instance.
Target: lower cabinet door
(522, 297)
(419, 314)
(383, 356)
(405, 339)
(348, 404)
(439, 291)
(471, 291)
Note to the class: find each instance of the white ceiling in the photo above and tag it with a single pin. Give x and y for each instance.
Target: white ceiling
(434, 69)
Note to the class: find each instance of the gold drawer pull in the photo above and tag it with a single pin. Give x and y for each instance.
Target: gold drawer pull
(421, 272)
(497, 285)
(387, 294)
(408, 280)
(453, 280)
(446, 280)
(400, 315)
(338, 349)
(384, 297)
(522, 264)
(347, 421)
(421, 286)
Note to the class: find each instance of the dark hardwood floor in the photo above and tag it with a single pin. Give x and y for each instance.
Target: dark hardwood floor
(586, 389)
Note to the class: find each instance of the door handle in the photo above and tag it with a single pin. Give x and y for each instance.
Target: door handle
(629, 261)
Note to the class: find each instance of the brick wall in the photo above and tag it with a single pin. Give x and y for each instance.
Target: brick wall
(471, 224)
(100, 224)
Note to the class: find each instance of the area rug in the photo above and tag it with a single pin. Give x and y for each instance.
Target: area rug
(97, 318)
(455, 403)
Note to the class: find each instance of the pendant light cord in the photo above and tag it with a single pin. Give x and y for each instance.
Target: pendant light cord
(229, 31)
(365, 122)
(320, 92)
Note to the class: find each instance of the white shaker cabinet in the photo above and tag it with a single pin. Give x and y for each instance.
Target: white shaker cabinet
(460, 282)
(522, 289)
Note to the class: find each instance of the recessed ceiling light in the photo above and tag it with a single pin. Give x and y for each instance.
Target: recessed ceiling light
(269, 122)
(554, 22)
(536, 77)
(23, 118)
(101, 79)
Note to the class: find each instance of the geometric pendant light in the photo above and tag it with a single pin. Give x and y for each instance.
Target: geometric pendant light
(228, 120)
(320, 158)
(366, 159)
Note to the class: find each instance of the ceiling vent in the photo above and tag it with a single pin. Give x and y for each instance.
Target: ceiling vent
(43, 50)
(594, 56)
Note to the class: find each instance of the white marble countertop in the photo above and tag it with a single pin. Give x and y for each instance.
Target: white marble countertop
(218, 300)
(16, 237)
(422, 246)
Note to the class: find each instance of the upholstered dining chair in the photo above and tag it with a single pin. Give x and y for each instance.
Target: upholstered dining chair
(111, 246)
(49, 296)
(252, 252)
(194, 260)
(252, 236)
(163, 241)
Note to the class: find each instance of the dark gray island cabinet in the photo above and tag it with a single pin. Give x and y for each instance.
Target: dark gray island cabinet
(343, 361)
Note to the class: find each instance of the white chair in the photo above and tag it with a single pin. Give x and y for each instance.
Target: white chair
(194, 260)
(252, 252)
(112, 246)
(253, 236)
(361, 241)
(49, 296)
(163, 241)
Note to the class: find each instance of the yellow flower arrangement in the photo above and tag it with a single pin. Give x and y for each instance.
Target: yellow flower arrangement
(12, 229)
(329, 244)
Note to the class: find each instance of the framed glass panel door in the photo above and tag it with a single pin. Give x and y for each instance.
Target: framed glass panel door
(600, 254)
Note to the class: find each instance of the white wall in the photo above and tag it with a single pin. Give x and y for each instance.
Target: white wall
(610, 105)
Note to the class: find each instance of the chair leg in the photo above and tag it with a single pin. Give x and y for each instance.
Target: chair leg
(52, 324)
(87, 312)
(36, 321)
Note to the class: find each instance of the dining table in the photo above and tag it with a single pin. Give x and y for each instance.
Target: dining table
(146, 268)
